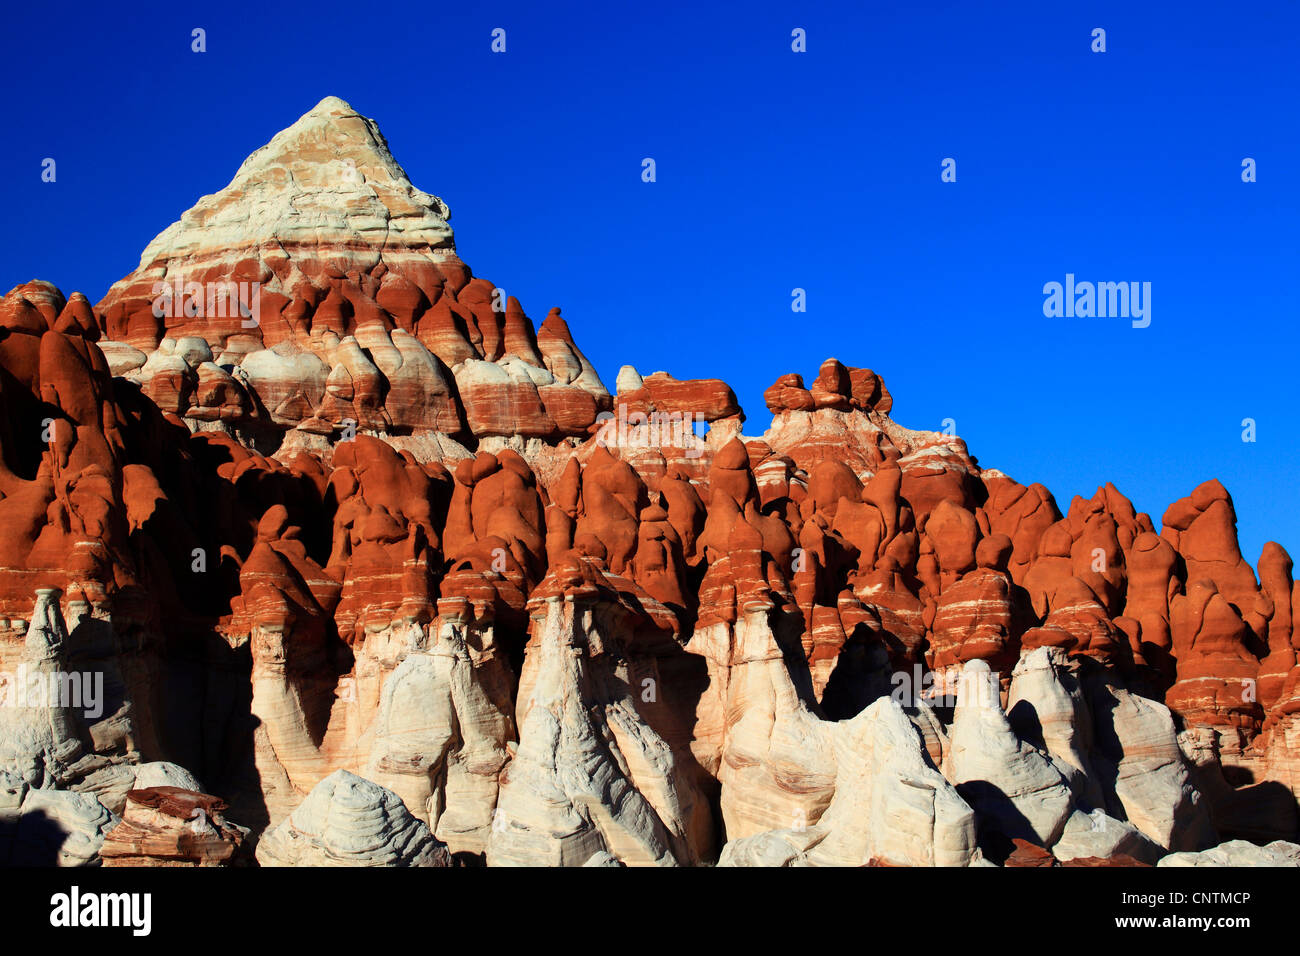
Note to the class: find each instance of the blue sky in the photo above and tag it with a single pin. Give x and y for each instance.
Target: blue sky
(775, 170)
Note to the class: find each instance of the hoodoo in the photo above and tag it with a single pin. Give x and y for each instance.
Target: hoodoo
(382, 563)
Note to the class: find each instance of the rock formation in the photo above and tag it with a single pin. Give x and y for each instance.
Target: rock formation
(348, 821)
(319, 292)
(306, 527)
(171, 826)
(1239, 853)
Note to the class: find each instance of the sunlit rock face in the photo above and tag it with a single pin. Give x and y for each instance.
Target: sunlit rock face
(320, 291)
(373, 570)
(349, 821)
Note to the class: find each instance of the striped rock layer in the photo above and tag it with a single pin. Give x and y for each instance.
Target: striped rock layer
(388, 568)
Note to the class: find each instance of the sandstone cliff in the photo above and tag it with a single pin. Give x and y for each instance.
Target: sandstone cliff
(346, 536)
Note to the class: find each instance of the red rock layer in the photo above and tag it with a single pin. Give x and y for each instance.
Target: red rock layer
(255, 570)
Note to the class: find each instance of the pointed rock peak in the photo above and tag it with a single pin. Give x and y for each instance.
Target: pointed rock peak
(329, 181)
(322, 244)
(331, 105)
(332, 132)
